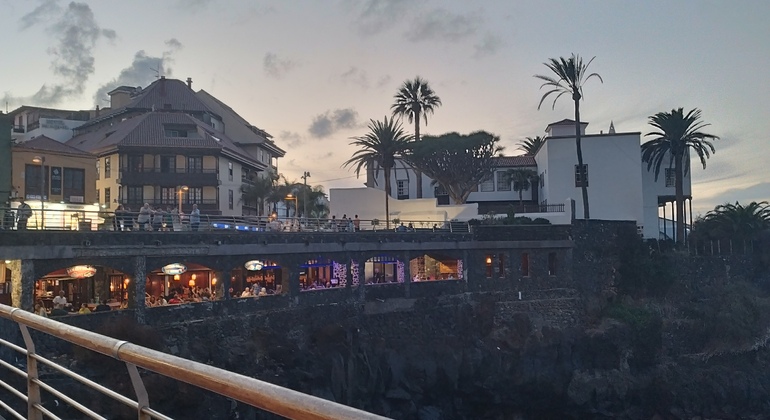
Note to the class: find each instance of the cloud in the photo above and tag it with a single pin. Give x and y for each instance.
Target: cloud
(328, 123)
(142, 71)
(442, 25)
(277, 67)
(384, 81)
(376, 16)
(77, 32)
(487, 46)
(291, 139)
(355, 76)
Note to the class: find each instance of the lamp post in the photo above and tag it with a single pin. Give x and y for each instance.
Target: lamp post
(304, 177)
(291, 197)
(41, 161)
(180, 190)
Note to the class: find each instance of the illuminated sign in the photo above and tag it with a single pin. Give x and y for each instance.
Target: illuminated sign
(254, 265)
(173, 269)
(81, 271)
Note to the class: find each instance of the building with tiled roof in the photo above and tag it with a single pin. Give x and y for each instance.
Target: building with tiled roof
(165, 142)
(67, 173)
(30, 122)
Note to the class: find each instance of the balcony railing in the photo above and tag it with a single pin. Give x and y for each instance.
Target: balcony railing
(154, 176)
(538, 208)
(19, 129)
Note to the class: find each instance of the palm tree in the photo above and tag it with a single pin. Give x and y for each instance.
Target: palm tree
(571, 75)
(415, 98)
(522, 179)
(735, 221)
(676, 134)
(530, 145)
(257, 191)
(385, 142)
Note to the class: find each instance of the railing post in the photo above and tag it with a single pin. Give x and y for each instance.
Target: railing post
(33, 390)
(141, 392)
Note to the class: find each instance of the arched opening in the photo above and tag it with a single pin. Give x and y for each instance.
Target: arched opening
(322, 273)
(81, 289)
(434, 266)
(177, 283)
(256, 277)
(382, 269)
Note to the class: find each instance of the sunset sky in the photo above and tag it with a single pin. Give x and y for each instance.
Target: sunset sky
(312, 73)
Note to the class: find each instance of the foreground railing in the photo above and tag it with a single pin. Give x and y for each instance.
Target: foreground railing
(263, 395)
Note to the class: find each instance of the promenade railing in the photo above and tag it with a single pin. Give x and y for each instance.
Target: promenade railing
(263, 395)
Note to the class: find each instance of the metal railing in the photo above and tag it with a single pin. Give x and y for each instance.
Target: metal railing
(129, 221)
(263, 395)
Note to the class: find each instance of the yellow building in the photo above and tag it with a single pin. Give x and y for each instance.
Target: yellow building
(57, 181)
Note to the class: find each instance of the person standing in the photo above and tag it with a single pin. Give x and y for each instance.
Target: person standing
(145, 217)
(24, 212)
(357, 224)
(195, 218)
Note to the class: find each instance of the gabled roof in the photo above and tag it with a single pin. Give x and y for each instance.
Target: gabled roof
(149, 130)
(511, 161)
(237, 127)
(47, 144)
(161, 95)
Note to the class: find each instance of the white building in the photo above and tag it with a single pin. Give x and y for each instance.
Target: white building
(30, 122)
(619, 185)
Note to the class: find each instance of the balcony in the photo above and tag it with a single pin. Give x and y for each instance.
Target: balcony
(19, 129)
(158, 176)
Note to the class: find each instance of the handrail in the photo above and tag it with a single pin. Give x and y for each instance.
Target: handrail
(273, 398)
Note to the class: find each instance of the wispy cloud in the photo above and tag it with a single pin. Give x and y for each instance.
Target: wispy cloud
(375, 16)
(142, 71)
(328, 123)
(443, 25)
(488, 45)
(355, 76)
(277, 67)
(290, 139)
(77, 32)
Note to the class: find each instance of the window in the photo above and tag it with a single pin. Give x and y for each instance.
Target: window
(168, 195)
(402, 189)
(551, 263)
(525, 264)
(503, 181)
(230, 171)
(581, 176)
(194, 164)
(135, 163)
(107, 197)
(542, 180)
(487, 184)
(501, 265)
(98, 169)
(195, 195)
(74, 184)
(230, 199)
(135, 195)
(260, 155)
(670, 177)
(97, 195)
(32, 174)
(488, 260)
(107, 168)
(168, 164)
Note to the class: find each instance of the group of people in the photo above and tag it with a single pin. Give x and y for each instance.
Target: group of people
(154, 219)
(345, 224)
(180, 295)
(62, 307)
(256, 291)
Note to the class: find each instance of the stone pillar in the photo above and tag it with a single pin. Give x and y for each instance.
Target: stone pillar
(136, 302)
(289, 274)
(348, 272)
(23, 284)
(406, 255)
(358, 264)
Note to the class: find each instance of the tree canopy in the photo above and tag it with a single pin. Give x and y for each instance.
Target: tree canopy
(455, 161)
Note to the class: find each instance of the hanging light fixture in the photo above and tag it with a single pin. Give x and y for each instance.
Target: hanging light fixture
(214, 281)
(176, 277)
(191, 283)
(194, 276)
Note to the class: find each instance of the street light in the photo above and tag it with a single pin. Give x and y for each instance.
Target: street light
(292, 197)
(40, 160)
(180, 190)
(305, 176)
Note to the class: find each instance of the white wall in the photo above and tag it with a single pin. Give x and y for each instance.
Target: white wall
(614, 175)
(651, 190)
(369, 203)
(55, 128)
(225, 185)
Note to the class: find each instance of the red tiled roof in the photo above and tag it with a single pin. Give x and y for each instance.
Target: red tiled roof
(509, 161)
(148, 130)
(47, 144)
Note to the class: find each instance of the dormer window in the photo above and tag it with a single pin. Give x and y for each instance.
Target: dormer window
(180, 130)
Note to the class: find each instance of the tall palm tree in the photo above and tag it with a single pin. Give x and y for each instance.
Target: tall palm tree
(415, 98)
(385, 142)
(530, 145)
(736, 221)
(522, 179)
(675, 136)
(571, 74)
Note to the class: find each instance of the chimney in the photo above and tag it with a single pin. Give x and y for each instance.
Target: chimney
(96, 112)
(189, 82)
